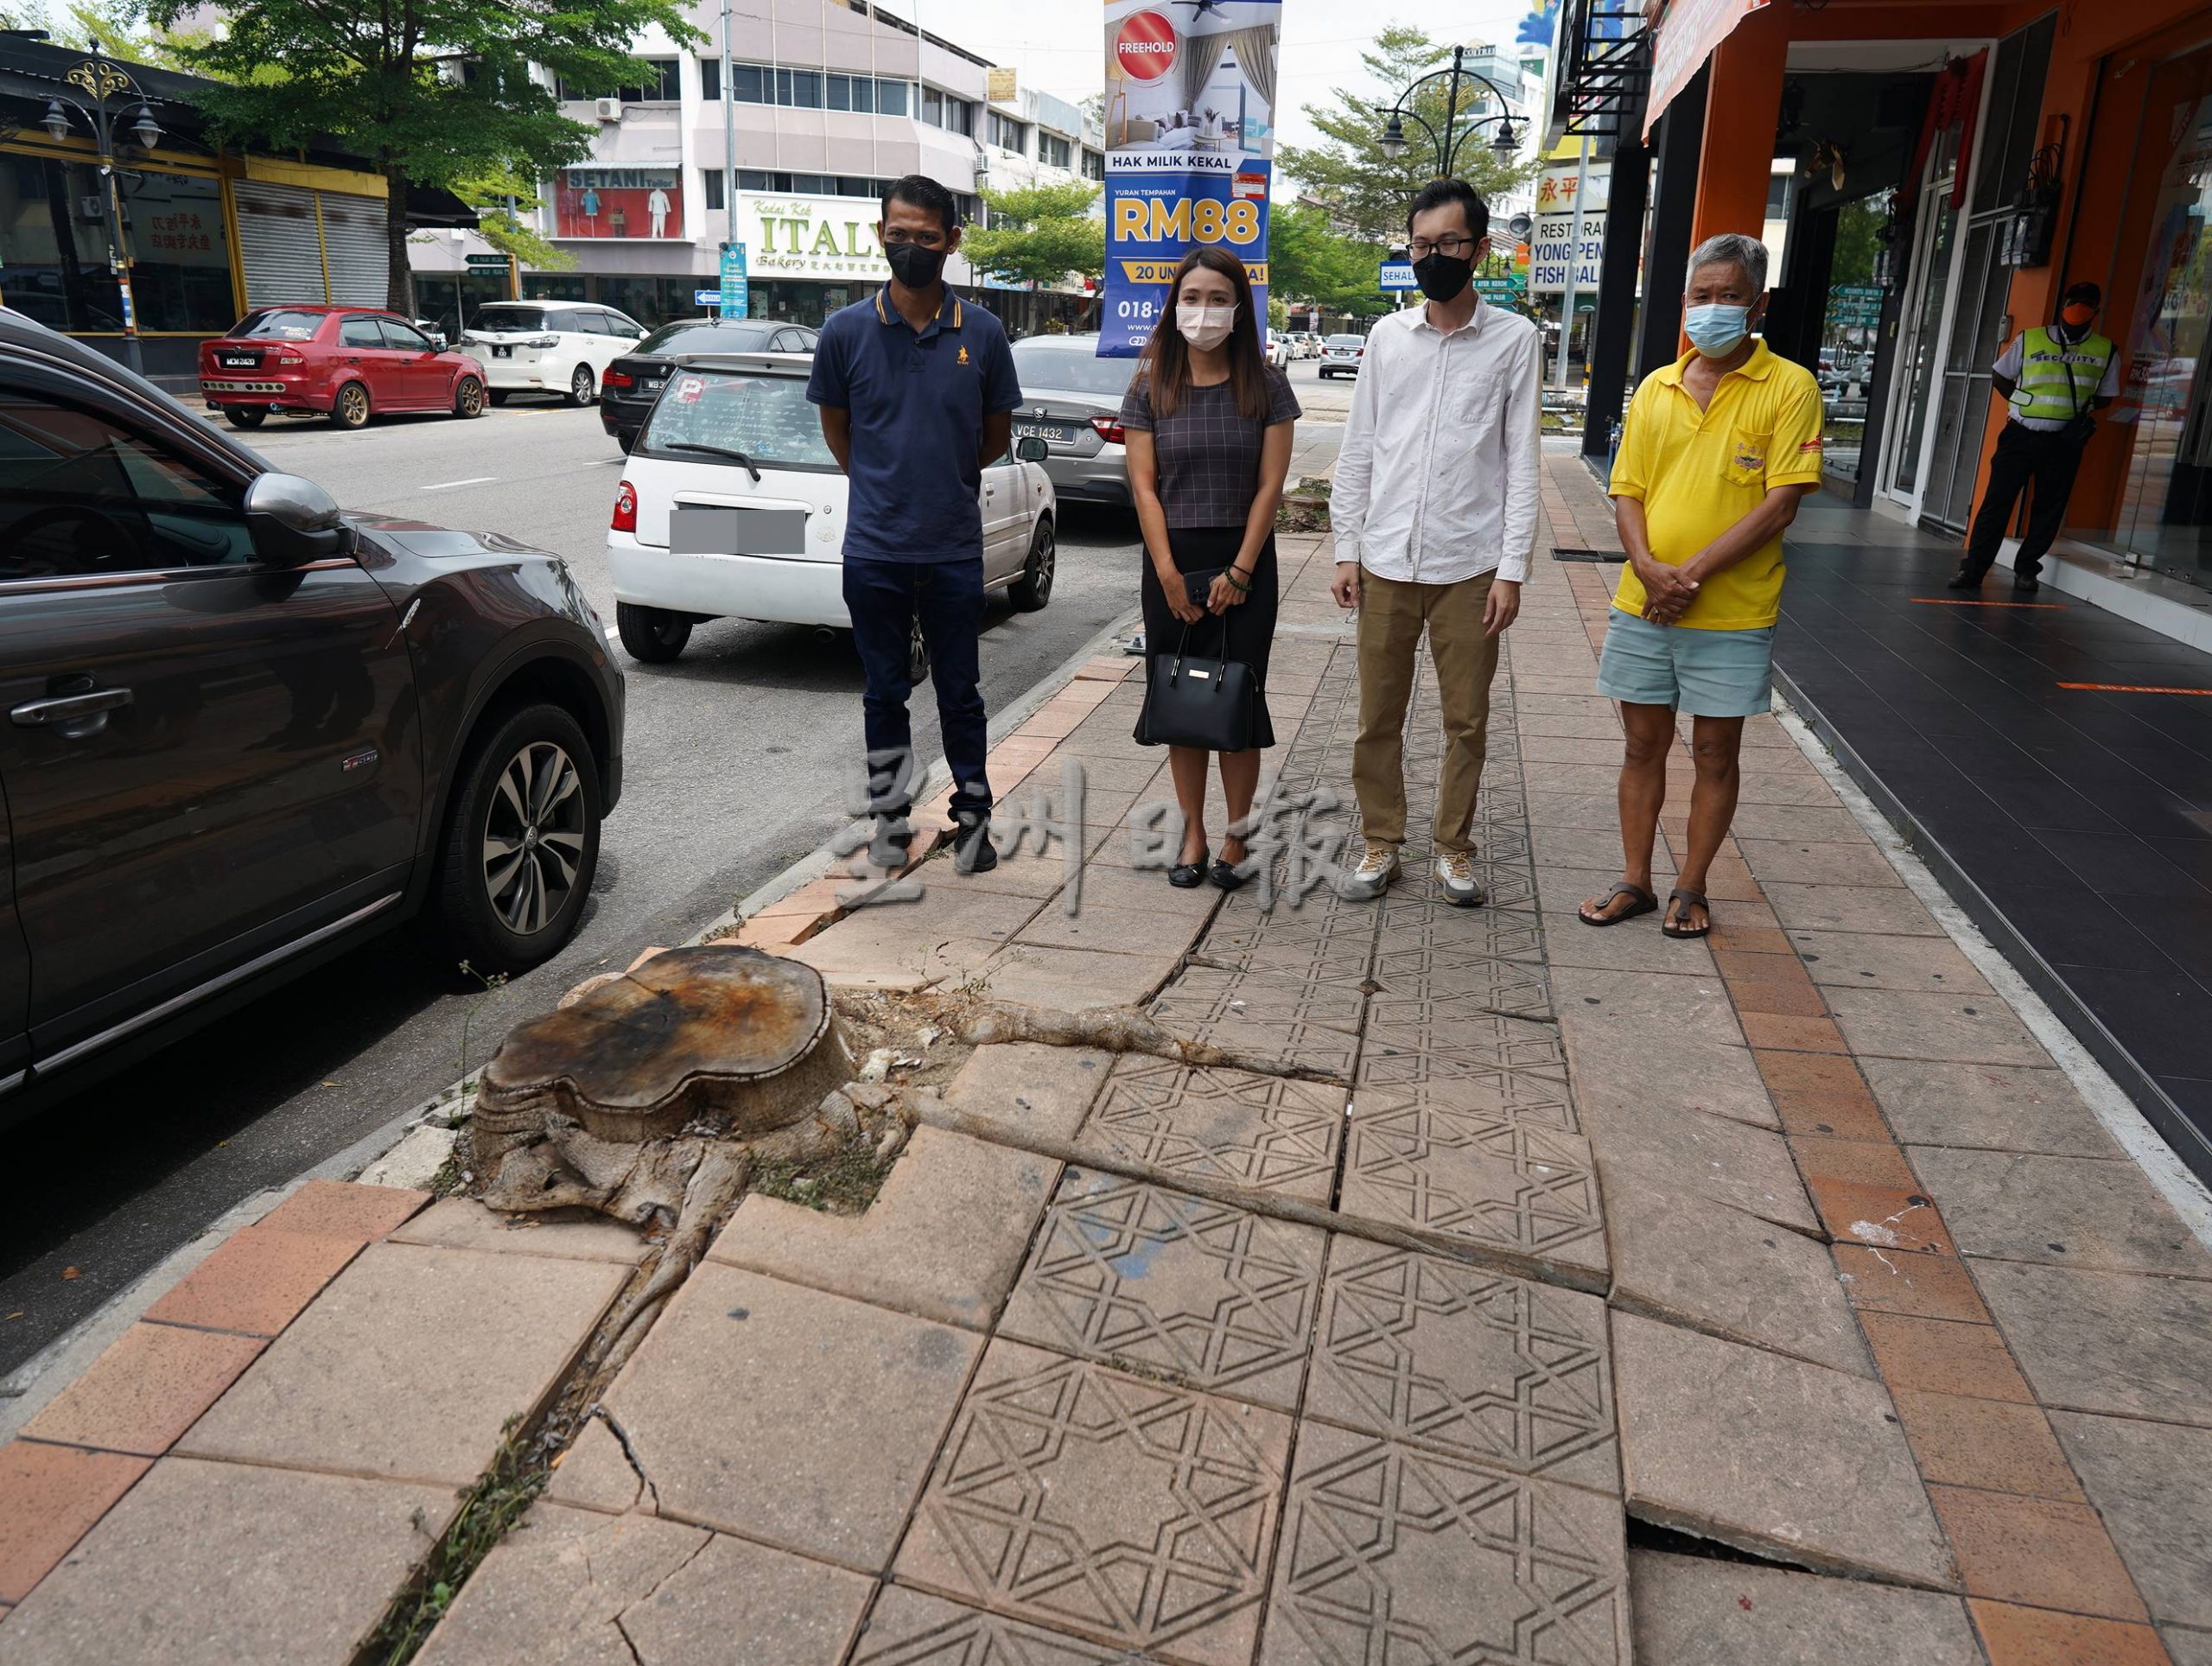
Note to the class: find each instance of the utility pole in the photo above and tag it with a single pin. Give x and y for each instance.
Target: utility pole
(730, 131)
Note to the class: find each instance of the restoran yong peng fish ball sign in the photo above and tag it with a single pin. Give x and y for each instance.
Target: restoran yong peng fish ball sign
(1190, 148)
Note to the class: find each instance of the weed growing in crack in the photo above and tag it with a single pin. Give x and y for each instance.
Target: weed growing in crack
(843, 1183)
(492, 983)
(517, 1477)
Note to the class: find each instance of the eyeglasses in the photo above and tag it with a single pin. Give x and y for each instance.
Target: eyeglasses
(1421, 248)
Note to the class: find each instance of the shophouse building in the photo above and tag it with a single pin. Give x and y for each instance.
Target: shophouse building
(831, 100)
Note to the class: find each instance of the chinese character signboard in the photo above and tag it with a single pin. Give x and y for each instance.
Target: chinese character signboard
(624, 202)
(812, 237)
(1551, 242)
(1190, 149)
(999, 86)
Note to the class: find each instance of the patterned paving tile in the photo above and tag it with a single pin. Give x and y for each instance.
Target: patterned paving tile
(1131, 1512)
(1421, 1039)
(1476, 980)
(909, 1628)
(1295, 1023)
(1266, 1132)
(1474, 1180)
(1157, 1281)
(1419, 924)
(1310, 942)
(1468, 1363)
(1390, 1554)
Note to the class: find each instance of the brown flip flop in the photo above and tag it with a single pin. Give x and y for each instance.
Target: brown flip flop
(1667, 928)
(1645, 903)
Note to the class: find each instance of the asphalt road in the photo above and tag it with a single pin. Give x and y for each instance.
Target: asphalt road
(736, 760)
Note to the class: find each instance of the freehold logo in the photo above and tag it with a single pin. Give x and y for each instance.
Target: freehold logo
(1145, 49)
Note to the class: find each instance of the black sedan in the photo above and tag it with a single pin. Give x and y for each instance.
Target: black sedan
(632, 382)
(247, 730)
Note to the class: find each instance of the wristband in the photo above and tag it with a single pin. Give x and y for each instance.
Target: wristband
(1236, 583)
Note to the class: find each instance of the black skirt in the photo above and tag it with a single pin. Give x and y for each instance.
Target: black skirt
(1245, 633)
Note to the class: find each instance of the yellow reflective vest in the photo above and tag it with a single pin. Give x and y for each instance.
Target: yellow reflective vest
(2059, 381)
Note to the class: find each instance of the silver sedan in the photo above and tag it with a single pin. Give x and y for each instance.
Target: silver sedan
(1071, 400)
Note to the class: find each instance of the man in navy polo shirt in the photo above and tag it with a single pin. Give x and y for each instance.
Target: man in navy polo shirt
(917, 390)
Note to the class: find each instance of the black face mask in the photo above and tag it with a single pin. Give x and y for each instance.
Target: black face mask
(1441, 276)
(913, 265)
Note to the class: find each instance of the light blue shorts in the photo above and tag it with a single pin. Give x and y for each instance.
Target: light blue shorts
(1699, 673)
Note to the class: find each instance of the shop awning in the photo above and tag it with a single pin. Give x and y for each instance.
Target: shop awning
(1685, 34)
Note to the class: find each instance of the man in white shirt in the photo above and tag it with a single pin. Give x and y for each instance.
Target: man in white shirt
(1435, 507)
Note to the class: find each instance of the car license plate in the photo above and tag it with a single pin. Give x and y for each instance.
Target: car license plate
(699, 531)
(237, 361)
(498, 352)
(652, 384)
(1057, 433)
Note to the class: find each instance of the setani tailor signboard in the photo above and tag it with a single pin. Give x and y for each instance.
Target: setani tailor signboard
(1190, 148)
(624, 202)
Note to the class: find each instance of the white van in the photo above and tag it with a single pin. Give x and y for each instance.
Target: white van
(732, 507)
(559, 347)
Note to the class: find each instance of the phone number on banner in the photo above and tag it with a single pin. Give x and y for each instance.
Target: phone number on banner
(1153, 219)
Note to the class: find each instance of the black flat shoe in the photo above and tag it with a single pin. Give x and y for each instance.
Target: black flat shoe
(2026, 587)
(1226, 875)
(1963, 580)
(1188, 876)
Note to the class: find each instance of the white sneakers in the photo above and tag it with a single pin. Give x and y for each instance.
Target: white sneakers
(1378, 867)
(1455, 872)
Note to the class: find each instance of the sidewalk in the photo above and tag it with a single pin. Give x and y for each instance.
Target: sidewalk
(1537, 1265)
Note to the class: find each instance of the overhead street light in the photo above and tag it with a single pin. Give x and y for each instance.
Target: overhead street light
(1392, 141)
(105, 83)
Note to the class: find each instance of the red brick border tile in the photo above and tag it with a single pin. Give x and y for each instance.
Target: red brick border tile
(342, 1209)
(149, 1388)
(2040, 1636)
(257, 1281)
(2038, 1552)
(49, 1499)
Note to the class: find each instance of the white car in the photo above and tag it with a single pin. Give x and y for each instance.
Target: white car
(1279, 351)
(561, 347)
(1340, 354)
(732, 507)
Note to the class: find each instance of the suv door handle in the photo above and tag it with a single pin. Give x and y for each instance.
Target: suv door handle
(68, 708)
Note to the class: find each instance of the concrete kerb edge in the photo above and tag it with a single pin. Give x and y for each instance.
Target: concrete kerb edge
(26, 1389)
(1900, 839)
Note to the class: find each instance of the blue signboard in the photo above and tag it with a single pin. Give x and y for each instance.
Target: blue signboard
(1396, 275)
(1190, 153)
(734, 296)
(706, 297)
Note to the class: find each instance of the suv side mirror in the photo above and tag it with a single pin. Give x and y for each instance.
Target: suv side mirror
(1030, 449)
(293, 521)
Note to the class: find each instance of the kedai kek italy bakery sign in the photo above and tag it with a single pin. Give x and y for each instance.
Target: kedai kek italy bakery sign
(1190, 149)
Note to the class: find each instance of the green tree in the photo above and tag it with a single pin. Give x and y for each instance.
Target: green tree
(1308, 260)
(501, 196)
(1039, 234)
(437, 92)
(1349, 168)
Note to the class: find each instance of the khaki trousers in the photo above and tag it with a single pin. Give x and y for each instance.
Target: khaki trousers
(1392, 614)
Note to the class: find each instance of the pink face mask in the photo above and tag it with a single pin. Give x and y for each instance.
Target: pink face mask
(1205, 327)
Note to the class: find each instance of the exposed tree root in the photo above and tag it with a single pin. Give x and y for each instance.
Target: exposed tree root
(1114, 1029)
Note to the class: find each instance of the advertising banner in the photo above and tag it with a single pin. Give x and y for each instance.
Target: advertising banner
(627, 202)
(1685, 35)
(1551, 242)
(1190, 149)
(811, 237)
(734, 294)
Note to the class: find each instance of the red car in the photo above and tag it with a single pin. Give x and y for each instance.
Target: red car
(345, 363)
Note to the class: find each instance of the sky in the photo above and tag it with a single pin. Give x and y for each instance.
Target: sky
(1058, 46)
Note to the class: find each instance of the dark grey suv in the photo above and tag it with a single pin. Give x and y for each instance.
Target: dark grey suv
(246, 731)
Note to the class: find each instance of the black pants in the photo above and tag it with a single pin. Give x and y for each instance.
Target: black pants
(2024, 455)
(885, 599)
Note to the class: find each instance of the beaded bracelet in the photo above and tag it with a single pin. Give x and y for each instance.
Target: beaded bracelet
(1236, 583)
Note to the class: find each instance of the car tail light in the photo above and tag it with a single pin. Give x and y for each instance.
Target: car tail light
(543, 341)
(626, 508)
(1110, 429)
(615, 378)
(292, 359)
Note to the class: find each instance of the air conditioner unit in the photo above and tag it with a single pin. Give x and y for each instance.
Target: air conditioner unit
(610, 110)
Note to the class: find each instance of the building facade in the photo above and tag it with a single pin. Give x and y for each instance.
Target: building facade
(831, 100)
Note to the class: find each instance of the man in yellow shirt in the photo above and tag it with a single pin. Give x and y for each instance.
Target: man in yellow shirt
(1718, 449)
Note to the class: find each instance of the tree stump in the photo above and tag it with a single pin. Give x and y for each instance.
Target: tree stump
(598, 1102)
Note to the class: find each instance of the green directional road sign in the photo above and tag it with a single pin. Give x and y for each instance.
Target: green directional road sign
(1500, 288)
(496, 263)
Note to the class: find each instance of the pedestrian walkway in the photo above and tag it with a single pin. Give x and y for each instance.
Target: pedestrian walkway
(1526, 1293)
(2052, 761)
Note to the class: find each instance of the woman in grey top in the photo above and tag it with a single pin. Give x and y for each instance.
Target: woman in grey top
(1209, 422)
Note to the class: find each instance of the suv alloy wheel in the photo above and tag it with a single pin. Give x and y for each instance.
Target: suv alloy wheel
(583, 386)
(523, 843)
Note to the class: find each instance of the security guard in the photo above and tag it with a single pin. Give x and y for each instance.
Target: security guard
(2054, 379)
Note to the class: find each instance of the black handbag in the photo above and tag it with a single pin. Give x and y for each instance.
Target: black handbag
(1194, 701)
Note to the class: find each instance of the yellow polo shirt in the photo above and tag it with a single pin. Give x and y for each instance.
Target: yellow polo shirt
(1697, 473)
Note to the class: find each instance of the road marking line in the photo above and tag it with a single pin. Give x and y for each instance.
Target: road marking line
(473, 479)
(2131, 688)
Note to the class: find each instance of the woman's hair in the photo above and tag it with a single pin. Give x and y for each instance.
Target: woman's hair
(1166, 366)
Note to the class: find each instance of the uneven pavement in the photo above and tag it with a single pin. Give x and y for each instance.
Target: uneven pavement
(1537, 1294)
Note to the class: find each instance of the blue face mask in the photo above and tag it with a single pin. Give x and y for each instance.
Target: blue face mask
(1717, 329)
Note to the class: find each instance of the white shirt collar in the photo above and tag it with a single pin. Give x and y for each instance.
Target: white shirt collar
(1473, 326)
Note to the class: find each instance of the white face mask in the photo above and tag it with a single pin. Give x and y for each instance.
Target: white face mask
(1206, 327)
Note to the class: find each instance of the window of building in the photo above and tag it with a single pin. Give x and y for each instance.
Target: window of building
(891, 97)
(1093, 163)
(1054, 151)
(941, 109)
(55, 239)
(811, 89)
(710, 180)
(933, 106)
(811, 185)
(710, 79)
(1009, 135)
(664, 84)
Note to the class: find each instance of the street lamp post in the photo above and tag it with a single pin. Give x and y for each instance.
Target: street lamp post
(106, 82)
(1447, 143)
